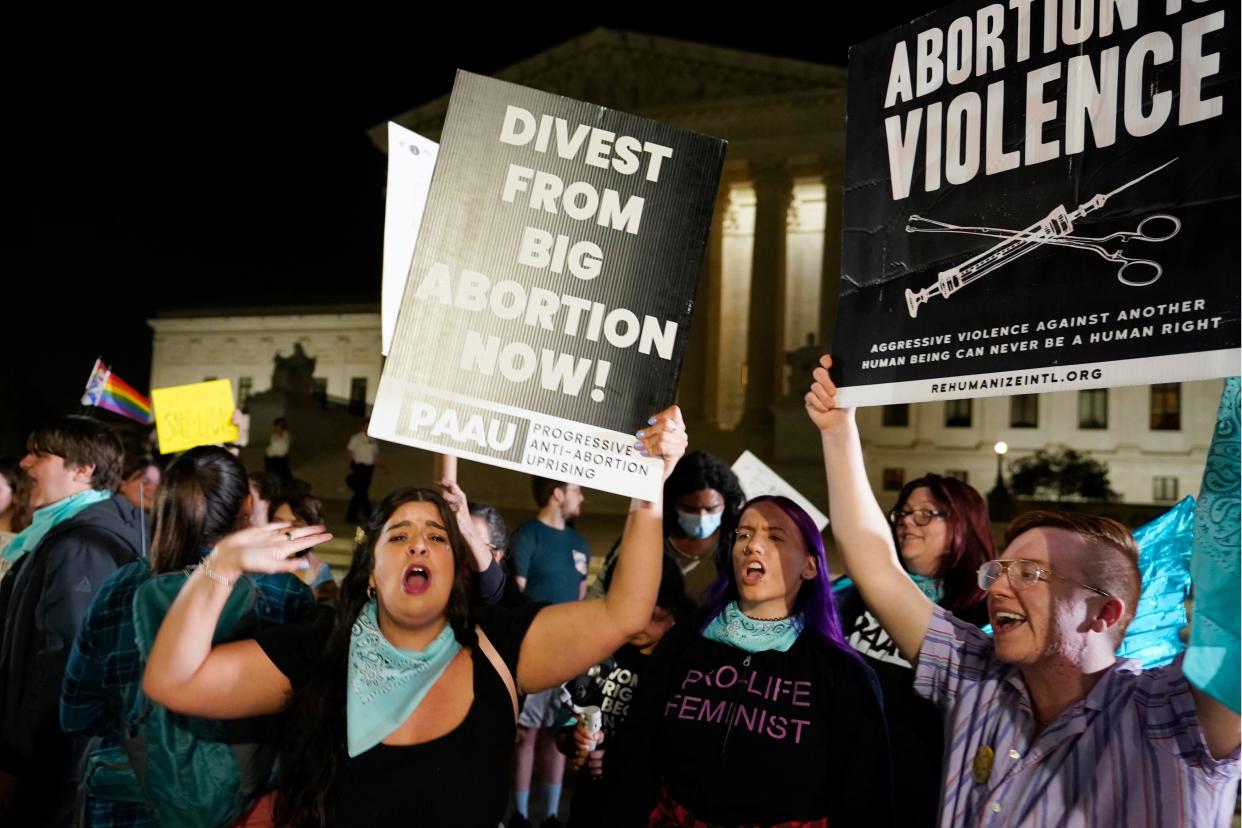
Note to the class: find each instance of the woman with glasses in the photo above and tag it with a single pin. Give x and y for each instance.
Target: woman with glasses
(943, 535)
(940, 529)
(755, 711)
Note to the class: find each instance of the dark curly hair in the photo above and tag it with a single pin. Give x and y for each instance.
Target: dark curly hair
(314, 747)
(696, 471)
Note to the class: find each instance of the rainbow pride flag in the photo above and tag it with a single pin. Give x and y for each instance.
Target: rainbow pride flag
(108, 391)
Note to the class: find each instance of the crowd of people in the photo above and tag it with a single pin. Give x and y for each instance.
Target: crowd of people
(174, 652)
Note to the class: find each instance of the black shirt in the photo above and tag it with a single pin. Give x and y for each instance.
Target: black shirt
(754, 739)
(610, 686)
(915, 726)
(460, 778)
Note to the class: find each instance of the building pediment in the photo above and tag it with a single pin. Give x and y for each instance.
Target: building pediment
(654, 76)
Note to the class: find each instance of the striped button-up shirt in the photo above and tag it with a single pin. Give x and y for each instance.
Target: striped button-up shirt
(1130, 754)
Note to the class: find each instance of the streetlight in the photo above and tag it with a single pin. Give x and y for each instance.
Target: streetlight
(999, 501)
(1000, 448)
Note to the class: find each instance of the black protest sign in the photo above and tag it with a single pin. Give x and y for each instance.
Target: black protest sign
(1041, 196)
(549, 296)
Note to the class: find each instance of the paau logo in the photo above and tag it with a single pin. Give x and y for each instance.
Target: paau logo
(469, 429)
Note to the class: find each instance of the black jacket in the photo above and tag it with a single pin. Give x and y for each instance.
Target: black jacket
(722, 765)
(43, 599)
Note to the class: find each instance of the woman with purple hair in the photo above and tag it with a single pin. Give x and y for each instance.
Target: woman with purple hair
(757, 713)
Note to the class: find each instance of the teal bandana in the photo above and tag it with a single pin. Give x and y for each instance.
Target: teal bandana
(735, 628)
(47, 518)
(387, 683)
(929, 586)
(1212, 658)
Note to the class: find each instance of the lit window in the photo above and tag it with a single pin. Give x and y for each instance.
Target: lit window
(1166, 407)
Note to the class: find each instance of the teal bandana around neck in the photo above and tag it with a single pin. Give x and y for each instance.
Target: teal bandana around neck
(735, 628)
(47, 518)
(929, 585)
(387, 683)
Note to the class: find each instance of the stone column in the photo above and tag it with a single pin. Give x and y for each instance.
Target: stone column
(697, 384)
(830, 284)
(765, 327)
(709, 307)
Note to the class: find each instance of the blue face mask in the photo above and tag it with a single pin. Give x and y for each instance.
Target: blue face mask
(698, 525)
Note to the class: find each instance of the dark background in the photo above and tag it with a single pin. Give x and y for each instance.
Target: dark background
(158, 164)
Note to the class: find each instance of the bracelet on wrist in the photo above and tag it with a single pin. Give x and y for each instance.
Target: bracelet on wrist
(211, 574)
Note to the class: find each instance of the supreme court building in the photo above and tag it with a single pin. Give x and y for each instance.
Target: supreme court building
(766, 300)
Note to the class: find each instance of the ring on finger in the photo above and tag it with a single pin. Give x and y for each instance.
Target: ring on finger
(288, 536)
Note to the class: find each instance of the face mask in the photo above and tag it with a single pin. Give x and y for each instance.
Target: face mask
(697, 525)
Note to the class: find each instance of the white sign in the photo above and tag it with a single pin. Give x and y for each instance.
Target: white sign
(757, 479)
(411, 161)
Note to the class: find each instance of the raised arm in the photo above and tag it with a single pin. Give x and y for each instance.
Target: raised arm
(862, 534)
(480, 553)
(566, 639)
(184, 672)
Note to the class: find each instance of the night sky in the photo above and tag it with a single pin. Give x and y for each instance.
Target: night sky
(237, 170)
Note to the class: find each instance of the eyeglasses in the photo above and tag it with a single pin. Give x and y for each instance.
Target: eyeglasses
(1023, 573)
(921, 517)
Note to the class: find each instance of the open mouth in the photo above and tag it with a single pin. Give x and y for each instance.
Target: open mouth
(753, 573)
(415, 579)
(1005, 621)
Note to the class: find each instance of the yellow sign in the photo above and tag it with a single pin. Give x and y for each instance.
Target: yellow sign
(194, 415)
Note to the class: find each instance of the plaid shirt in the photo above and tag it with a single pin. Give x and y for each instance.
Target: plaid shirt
(105, 671)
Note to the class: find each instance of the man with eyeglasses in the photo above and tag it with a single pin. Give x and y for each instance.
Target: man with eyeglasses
(1043, 724)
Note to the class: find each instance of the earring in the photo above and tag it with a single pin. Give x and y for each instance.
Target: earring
(371, 592)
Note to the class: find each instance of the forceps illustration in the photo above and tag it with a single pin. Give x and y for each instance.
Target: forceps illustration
(1054, 229)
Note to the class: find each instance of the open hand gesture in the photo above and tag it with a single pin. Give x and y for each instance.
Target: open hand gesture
(266, 549)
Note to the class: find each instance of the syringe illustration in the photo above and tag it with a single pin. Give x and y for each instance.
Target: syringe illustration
(1055, 228)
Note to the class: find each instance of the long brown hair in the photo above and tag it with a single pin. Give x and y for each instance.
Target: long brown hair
(314, 747)
(200, 498)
